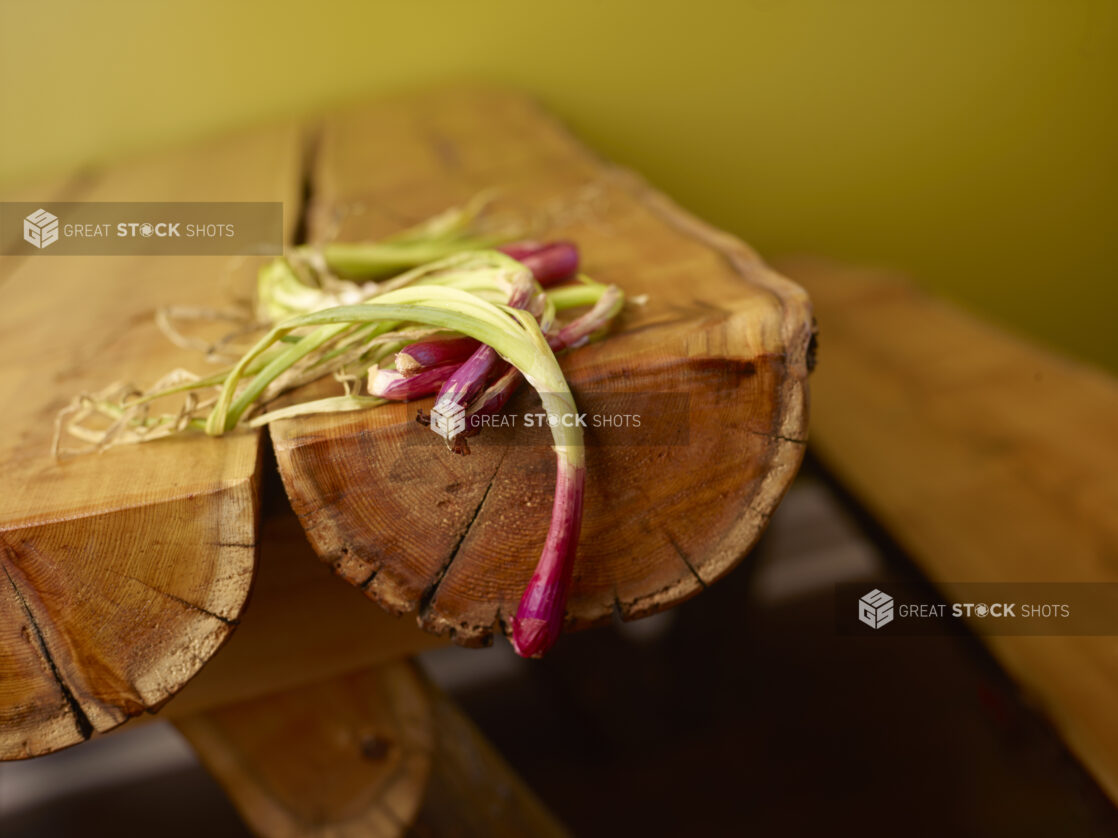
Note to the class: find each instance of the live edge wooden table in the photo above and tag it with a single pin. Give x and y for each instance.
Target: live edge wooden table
(125, 573)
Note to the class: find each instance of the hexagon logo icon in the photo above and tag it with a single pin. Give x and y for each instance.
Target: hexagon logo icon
(875, 609)
(448, 420)
(40, 229)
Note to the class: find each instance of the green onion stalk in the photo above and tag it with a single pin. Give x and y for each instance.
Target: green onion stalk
(452, 231)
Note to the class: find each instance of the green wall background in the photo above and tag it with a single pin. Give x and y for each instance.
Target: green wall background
(971, 144)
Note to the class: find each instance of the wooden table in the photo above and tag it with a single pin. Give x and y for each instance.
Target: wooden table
(127, 571)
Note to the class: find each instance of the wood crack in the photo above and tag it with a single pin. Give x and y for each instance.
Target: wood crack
(776, 436)
(81, 720)
(301, 232)
(686, 560)
(229, 621)
(429, 592)
(619, 611)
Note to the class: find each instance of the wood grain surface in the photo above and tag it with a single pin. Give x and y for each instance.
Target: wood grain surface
(377, 753)
(456, 538)
(987, 458)
(123, 572)
(345, 757)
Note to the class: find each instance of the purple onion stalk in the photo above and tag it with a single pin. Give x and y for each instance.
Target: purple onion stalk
(549, 262)
(494, 398)
(395, 385)
(435, 352)
(539, 617)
